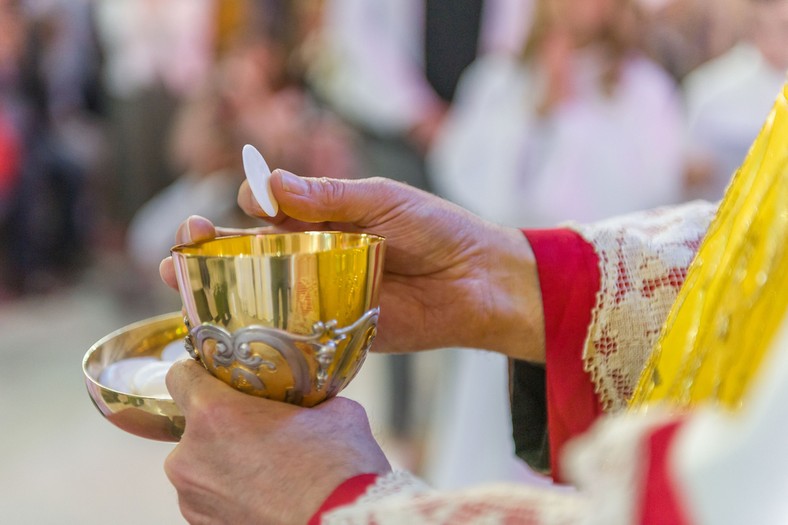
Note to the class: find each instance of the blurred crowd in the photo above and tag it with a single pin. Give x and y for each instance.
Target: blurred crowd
(120, 118)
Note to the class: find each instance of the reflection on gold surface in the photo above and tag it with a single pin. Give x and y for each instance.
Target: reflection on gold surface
(285, 316)
(149, 417)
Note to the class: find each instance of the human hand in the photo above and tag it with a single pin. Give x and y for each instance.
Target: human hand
(244, 459)
(450, 278)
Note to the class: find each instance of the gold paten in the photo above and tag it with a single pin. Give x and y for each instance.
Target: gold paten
(150, 417)
(735, 296)
(285, 316)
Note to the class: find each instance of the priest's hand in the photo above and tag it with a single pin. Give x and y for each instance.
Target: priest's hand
(450, 278)
(243, 459)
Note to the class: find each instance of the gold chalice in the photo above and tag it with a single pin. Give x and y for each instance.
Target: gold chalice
(286, 316)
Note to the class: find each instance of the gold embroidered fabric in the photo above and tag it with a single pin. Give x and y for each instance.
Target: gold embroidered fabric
(735, 295)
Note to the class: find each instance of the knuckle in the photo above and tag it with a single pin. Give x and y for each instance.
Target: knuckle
(207, 416)
(332, 190)
(350, 408)
(191, 514)
(176, 469)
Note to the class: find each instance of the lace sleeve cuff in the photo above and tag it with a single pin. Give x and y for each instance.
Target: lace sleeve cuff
(643, 260)
(394, 485)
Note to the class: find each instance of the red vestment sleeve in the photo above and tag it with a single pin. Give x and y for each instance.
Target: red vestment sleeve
(569, 279)
(345, 494)
(660, 500)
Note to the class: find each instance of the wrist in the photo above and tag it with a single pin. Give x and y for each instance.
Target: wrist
(346, 493)
(515, 322)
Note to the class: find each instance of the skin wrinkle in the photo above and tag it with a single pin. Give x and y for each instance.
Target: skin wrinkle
(179, 476)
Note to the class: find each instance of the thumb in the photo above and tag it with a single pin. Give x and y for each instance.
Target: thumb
(361, 202)
(191, 385)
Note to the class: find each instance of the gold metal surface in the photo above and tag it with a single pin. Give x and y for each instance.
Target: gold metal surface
(285, 316)
(149, 417)
(734, 298)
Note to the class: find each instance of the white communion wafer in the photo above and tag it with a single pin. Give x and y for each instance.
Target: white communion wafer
(150, 380)
(174, 351)
(259, 176)
(118, 375)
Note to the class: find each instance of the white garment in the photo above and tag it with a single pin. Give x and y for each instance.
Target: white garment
(372, 68)
(727, 101)
(593, 157)
(734, 468)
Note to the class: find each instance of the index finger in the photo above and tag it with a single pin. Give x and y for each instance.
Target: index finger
(167, 273)
(193, 229)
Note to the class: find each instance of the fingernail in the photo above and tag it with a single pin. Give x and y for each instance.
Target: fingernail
(292, 183)
(248, 201)
(188, 230)
(184, 233)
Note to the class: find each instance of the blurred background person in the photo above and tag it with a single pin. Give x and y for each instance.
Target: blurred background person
(50, 107)
(580, 125)
(205, 151)
(156, 53)
(9, 164)
(391, 68)
(728, 98)
(12, 30)
(265, 92)
(683, 34)
(255, 94)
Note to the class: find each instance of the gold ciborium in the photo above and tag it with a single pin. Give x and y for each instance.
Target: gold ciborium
(285, 316)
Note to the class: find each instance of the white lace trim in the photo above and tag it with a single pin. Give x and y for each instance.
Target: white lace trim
(400, 483)
(643, 260)
(608, 464)
(493, 504)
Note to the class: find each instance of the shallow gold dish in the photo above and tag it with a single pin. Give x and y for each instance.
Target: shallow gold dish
(149, 417)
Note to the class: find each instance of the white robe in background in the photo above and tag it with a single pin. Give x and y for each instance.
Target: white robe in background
(593, 156)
